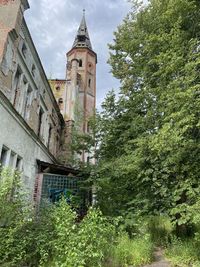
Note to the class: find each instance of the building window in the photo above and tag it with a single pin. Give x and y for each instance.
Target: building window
(80, 63)
(16, 86)
(57, 88)
(49, 137)
(33, 70)
(60, 100)
(41, 114)
(12, 160)
(89, 82)
(4, 156)
(81, 38)
(27, 102)
(19, 163)
(24, 50)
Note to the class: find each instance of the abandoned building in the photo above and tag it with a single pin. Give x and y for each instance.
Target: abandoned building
(36, 114)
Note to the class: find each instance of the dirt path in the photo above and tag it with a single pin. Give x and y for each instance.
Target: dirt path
(160, 261)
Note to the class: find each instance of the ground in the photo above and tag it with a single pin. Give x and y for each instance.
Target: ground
(160, 261)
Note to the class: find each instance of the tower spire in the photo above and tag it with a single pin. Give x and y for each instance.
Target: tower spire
(82, 38)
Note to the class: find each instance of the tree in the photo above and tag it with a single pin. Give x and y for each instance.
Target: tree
(150, 148)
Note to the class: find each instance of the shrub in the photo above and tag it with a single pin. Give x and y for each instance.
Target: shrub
(50, 238)
(80, 244)
(14, 214)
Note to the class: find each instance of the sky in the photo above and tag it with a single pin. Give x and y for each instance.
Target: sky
(53, 25)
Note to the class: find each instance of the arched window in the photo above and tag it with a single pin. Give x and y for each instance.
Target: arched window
(80, 63)
(57, 88)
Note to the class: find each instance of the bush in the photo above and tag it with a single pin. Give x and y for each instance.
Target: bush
(14, 214)
(51, 238)
(82, 244)
(184, 253)
(126, 251)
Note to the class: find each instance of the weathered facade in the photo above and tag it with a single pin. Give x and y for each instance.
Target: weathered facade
(30, 119)
(33, 118)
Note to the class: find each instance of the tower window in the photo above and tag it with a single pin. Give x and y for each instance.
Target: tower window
(81, 38)
(57, 88)
(89, 82)
(60, 101)
(80, 63)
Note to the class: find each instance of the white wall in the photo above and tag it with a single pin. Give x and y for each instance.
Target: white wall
(16, 136)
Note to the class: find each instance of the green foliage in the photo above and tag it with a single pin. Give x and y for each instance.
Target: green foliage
(149, 153)
(160, 229)
(134, 252)
(53, 237)
(184, 253)
(82, 244)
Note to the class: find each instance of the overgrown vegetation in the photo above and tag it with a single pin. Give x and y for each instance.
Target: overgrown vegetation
(51, 238)
(149, 154)
(130, 252)
(147, 144)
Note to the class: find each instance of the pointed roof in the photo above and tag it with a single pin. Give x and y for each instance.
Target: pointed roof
(82, 38)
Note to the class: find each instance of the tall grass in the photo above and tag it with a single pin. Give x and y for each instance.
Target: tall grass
(184, 253)
(160, 229)
(126, 251)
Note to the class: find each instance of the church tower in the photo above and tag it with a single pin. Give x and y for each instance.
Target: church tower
(81, 74)
(80, 97)
(76, 95)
